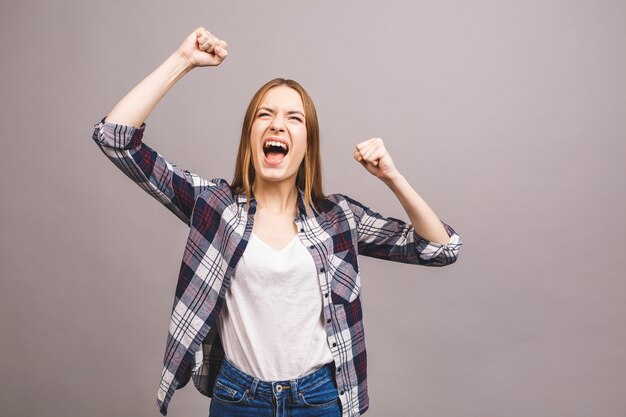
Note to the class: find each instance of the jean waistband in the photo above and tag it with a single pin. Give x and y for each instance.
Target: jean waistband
(267, 388)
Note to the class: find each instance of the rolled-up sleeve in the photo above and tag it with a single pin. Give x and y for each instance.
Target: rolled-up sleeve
(175, 188)
(437, 254)
(396, 240)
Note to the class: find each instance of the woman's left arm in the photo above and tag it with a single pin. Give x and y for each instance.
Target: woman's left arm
(375, 158)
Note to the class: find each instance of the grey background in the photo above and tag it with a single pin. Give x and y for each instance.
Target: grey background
(508, 118)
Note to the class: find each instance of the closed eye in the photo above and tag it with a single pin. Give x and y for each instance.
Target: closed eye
(265, 114)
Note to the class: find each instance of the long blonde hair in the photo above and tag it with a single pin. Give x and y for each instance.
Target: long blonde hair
(309, 177)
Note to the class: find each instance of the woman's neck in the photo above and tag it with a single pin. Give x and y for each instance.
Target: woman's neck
(276, 196)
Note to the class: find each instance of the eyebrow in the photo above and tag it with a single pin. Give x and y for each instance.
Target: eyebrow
(289, 112)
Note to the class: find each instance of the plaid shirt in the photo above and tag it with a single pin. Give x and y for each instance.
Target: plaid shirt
(220, 228)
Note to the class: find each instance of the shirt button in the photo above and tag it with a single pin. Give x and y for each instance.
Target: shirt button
(302, 230)
(322, 269)
(339, 369)
(334, 344)
(326, 295)
(311, 246)
(328, 321)
(341, 393)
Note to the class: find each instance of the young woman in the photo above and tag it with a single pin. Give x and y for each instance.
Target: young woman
(267, 314)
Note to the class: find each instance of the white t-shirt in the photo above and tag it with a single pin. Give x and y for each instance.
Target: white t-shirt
(271, 324)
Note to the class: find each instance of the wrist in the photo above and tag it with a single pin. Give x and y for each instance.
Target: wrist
(393, 180)
(182, 62)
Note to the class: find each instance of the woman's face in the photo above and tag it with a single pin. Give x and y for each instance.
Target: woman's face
(278, 135)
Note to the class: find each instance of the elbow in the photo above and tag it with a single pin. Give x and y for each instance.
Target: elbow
(450, 252)
(451, 259)
(445, 255)
(444, 259)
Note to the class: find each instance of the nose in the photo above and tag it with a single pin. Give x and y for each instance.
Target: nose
(277, 125)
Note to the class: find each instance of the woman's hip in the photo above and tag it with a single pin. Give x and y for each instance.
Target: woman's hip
(238, 394)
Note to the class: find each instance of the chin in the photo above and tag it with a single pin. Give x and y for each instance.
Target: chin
(275, 176)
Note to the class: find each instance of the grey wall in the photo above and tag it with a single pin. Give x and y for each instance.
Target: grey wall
(508, 117)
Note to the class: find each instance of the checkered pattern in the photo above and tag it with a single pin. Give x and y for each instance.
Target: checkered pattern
(220, 228)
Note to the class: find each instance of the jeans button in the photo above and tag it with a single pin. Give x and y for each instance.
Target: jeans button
(279, 388)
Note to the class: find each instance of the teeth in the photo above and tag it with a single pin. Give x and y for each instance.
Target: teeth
(275, 143)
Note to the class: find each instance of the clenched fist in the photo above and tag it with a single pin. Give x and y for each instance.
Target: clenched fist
(202, 49)
(375, 158)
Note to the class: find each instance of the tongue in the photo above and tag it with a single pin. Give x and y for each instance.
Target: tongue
(275, 157)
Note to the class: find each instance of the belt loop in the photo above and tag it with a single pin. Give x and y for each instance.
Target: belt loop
(294, 390)
(253, 387)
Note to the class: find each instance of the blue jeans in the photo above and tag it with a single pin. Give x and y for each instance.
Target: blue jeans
(237, 394)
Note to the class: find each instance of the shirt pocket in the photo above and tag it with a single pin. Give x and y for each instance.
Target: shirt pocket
(345, 280)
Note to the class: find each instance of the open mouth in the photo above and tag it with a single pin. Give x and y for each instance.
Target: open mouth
(275, 151)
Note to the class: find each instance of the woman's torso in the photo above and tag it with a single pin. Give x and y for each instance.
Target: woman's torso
(272, 324)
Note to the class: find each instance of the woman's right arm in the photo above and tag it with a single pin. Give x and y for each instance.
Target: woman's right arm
(199, 49)
(119, 134)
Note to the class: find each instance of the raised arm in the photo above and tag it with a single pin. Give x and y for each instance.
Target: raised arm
(434, 242)
(120, 134)
(199, 49)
